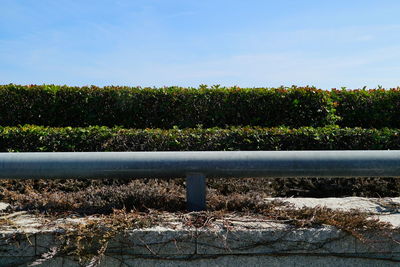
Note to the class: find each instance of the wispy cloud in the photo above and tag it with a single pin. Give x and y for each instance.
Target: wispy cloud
(150, 43)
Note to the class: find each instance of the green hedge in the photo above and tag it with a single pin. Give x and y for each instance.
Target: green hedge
(134, 107)
(34, 138)
(376, 108)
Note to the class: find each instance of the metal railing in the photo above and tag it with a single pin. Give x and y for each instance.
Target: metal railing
(196, 166)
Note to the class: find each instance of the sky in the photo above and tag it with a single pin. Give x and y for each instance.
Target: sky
(252, 43)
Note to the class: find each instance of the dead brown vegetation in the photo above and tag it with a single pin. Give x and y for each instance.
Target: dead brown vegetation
(116, 205)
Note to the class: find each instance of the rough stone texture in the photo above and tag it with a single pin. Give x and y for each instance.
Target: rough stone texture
(371, 205)
(235, 260)
(4, 206)
(244, 241)
(386, 209)
(157, 241)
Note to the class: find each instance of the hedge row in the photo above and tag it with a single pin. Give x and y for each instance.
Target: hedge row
(134, 107)
(368, 108)
(35, 138)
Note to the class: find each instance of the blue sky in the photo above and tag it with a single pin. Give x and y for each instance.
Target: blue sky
(251, 43)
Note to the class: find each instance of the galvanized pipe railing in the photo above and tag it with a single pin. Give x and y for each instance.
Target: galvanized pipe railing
(196, 166)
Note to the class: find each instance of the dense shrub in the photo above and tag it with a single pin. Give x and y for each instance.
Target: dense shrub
(36, 138)
(376, 108)
(134, 107)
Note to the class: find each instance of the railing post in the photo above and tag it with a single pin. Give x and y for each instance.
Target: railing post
(195, 192)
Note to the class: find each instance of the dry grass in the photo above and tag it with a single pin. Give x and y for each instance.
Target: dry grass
(102, 196)
(126, 204)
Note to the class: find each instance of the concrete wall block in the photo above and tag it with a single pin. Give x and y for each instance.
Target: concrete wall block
(156, 241)
(384, 243)
(62, 262)
(18, 244)
(258, 260)
(240, 241)
(324, 239)
(15, 261)
(276, 240)
(45, 242)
